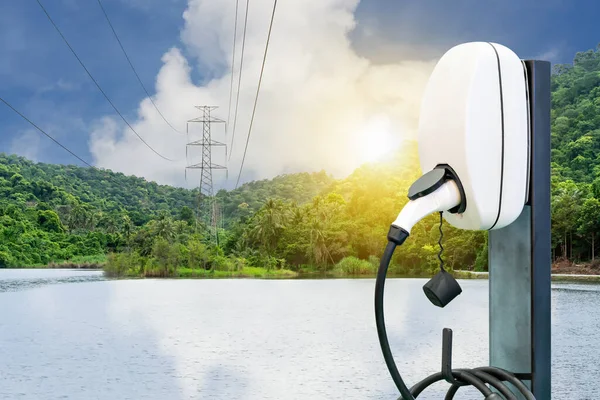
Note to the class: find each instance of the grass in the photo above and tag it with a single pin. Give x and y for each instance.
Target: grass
(579, 278)
(84, 262)
(469, 275)
(245, 272)
(352, 266)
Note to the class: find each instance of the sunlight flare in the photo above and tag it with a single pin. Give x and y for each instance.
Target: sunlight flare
(377, 140)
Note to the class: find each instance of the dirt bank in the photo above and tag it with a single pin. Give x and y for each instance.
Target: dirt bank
(72, 265)
(568, 267)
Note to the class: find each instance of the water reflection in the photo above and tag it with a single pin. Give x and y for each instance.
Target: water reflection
(22, 279)
(256, 339)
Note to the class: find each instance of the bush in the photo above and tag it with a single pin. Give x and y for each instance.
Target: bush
(115, 265)
(122, 264)
(595, 265)
(198, 255)
(5, 259)
(374, 260)
(238, 263)
(221, 263)
(263, 261)
(354, 266)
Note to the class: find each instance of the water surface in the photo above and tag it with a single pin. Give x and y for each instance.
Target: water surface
(257, 339)
(21, 279)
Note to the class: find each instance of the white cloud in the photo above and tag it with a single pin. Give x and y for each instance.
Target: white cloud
(317, 99)
(60, 86)
(27, 145)
(551, 55)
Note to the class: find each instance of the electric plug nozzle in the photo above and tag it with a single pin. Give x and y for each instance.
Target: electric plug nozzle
(432, 192)
(444, 197)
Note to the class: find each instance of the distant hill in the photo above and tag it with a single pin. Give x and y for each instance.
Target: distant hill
(576, 118)
(300, 188)
(110, 191)
(55, 212)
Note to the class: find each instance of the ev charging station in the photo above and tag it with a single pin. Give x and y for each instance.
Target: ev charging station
(484, 149)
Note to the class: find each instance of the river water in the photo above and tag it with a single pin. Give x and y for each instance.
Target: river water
(73, 335)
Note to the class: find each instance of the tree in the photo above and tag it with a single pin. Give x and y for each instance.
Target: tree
(198, 255)
(187, 214)
(126, 226)
(163, 254)
(566, 205)
(49, 221)
(163, 228)
(268, 224)
(589, 221)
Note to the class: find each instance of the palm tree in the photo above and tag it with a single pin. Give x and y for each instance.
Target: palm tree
(163, 228)
(126, 226)
(79, 216)
(318, 243)
(268, 224)
(296, 214)
(109, 223)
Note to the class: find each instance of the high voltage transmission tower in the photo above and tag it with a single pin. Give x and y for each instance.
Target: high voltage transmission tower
(208, 207)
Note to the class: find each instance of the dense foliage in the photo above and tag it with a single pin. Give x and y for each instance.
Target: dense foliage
(53, 213)
(299, 222)
(576, 156)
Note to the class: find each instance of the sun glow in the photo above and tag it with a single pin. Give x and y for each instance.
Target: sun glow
(377, 140)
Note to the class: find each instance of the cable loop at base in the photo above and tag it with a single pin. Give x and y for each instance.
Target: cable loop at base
(477, 377)
(492, 376)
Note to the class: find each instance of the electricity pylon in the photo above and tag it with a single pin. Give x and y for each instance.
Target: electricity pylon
(207, 205)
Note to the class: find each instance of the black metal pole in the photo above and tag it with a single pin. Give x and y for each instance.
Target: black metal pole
(539, 199)
(520, 259)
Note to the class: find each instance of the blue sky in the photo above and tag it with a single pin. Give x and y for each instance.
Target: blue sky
(40, 77)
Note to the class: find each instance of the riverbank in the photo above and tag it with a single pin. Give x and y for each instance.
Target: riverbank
(253, 272)
(199, 273)
(85, 262)
(555, 277)
(565, 267)
(561, 272)
(246, 272)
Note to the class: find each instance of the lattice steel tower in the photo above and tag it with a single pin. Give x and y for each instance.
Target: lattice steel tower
(207, 206)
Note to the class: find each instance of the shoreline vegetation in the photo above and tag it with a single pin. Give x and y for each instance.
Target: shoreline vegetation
(555, 277)
(124, 266)
(167, 262)
(80, 262)
(264, 273)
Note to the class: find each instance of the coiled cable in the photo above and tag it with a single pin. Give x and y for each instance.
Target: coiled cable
(477, 377)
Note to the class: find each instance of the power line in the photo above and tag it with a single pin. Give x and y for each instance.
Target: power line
(240, 79)
(237, 3)
(262, 68)
(134, 70)
(97, 85)
(44, 132)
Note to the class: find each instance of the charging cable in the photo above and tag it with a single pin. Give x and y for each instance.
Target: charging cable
(440, 290)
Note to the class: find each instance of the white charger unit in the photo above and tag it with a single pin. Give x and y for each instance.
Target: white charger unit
(475, 119)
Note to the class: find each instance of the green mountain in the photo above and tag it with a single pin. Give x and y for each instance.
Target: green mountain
(576, 157)
(576, 118)
(57, 212)
(299, 188)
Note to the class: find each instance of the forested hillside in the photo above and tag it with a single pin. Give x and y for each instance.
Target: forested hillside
(301, 222)
(53, 213)
(575, 156)
(299, 188)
